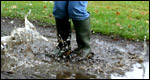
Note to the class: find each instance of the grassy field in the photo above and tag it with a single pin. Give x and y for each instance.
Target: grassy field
(128, 19)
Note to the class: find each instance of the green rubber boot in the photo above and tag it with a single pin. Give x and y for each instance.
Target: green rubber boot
(63, 27)
(83, 34)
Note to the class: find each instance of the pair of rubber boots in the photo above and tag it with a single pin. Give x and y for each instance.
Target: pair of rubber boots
(83, 34)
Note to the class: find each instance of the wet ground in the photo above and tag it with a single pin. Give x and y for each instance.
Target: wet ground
(113, 58)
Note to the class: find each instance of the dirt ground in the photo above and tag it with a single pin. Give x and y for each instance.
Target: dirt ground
(111, 55)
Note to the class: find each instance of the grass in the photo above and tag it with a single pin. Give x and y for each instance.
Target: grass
(128, 19)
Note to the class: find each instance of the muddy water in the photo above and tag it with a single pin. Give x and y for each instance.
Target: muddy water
(113, 58)
(136, 72)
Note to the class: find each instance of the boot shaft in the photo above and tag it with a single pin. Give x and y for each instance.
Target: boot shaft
(83, 32)
(63, 28)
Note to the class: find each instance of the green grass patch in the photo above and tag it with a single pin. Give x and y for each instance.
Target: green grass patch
(128, 19)
(41, 11)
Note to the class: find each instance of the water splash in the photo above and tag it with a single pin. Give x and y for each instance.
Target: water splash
(143, 55)
(22, 47)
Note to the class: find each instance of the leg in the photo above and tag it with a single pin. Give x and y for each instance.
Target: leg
(60, 10)
(63, 28)
(81, 21)
(77, 10)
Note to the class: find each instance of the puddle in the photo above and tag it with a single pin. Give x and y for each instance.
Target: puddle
(136, 72)
(25, 58)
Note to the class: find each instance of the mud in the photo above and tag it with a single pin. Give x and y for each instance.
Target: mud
(112, 56)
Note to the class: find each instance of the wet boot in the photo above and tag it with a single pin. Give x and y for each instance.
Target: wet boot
(83, 34)
(63, 27)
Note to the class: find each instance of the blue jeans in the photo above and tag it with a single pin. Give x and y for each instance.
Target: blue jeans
(76, 10)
